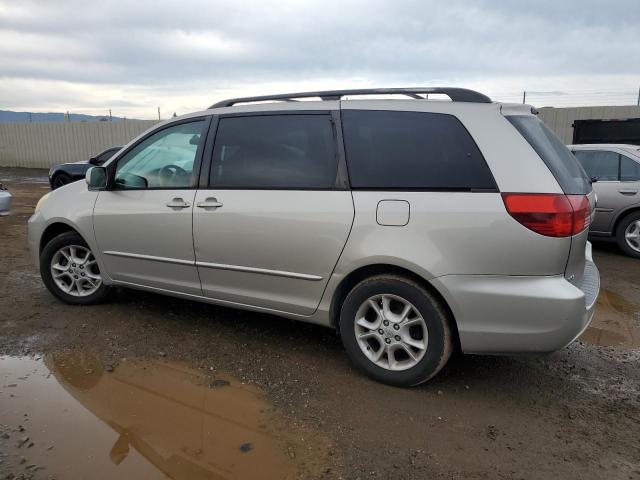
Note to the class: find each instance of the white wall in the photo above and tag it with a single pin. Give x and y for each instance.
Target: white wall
(43, 144)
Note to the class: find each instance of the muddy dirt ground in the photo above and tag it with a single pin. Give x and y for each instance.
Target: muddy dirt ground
(135, 388)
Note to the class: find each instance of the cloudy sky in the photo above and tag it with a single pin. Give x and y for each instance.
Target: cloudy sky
(133, 56)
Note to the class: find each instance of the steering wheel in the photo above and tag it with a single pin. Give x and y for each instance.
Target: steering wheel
(170, 173)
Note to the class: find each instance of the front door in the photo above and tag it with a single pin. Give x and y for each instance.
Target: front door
(269, 229)
(603, 167)
(143, 225)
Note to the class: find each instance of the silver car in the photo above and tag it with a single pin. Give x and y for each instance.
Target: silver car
(413, 227)
(615, 170)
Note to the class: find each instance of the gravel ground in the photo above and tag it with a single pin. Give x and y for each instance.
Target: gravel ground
(572, 414)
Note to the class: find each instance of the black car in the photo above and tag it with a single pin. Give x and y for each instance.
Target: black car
(64, 173)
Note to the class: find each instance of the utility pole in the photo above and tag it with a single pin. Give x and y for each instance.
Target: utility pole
(158, 113)
(110, 119)
(524, 96)
(638, 98)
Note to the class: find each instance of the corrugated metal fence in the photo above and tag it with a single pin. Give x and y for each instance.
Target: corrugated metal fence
(41, 145)
(45, 144)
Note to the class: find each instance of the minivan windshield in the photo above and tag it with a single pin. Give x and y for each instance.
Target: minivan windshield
(563, 165)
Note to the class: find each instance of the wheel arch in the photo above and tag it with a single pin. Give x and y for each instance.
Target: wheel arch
(622, 215)
(53, 230)
(58, 173)
(360, 273)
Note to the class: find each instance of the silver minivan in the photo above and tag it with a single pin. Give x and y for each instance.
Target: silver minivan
(412, 226)
(615, 170)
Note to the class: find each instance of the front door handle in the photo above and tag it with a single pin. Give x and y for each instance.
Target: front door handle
(209, 203)
(628, 191)
(178, 203)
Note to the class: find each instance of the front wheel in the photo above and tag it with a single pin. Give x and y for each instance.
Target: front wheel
(70, 271)
(628, 234)
(395, 331)
(60, 180)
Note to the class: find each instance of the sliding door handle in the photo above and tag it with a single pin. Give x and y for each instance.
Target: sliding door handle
(209, 203)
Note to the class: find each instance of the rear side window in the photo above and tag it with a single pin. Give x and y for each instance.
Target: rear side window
(560, 161)
(275, 151)
(599, 164)
(412, 150)
(629, 170)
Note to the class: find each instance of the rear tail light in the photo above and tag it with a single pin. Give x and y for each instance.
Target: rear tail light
(549, 214)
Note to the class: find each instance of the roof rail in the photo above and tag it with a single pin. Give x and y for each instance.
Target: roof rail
(455, 94)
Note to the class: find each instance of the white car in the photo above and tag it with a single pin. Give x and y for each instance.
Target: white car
(5, 200)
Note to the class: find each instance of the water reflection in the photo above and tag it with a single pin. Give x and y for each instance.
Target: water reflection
(163, 419)
(615, 323)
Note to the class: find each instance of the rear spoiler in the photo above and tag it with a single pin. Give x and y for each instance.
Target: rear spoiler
(517, 109)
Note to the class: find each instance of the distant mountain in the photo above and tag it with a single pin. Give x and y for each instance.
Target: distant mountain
(23, 117)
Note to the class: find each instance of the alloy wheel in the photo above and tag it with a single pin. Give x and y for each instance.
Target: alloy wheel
(391, 332)
(75, 271)
(632, 235)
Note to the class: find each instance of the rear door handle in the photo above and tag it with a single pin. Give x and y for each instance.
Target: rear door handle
(628, 192)
(178, 203)
(209, 203)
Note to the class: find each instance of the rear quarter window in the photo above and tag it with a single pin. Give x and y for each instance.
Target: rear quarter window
(559, 160)
(412, 150)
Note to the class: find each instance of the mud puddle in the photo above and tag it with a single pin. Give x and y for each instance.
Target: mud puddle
(66, 416)
(615, 323)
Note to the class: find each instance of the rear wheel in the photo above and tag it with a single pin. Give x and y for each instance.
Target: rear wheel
(628, 234)
(395, 331)
(70, 271)
(60, 180)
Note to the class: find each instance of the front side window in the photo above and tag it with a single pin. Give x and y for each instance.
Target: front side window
(294, 151)
(599, 164)
(629, 170)
(412, 150)
(163, 160)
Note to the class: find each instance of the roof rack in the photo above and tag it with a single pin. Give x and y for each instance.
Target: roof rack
(455, 94)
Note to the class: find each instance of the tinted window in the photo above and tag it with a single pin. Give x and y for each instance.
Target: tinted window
(274, 151)
(562, 164)
(163, 160)
(601, 165)
(405, 150)
(106, 155)
(629, 170)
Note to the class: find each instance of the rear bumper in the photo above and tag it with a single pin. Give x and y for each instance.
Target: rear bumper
(506, 314)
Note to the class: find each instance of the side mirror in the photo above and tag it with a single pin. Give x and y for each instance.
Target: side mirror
(120, 449)
(96, 178)
(94, 161)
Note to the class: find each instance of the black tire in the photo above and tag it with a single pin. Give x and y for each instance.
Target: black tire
(55, 244)
(440, 339)
(60, 180)
(620, 234)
